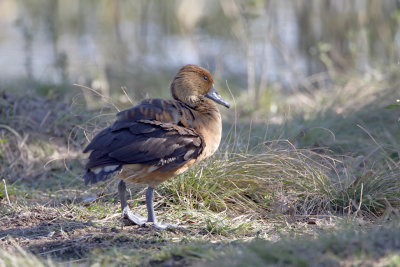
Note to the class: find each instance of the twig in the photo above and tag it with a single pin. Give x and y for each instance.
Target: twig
(234, 126)
(45, 118)
(349, 210)
(5, 189)
(361, 194)
(126, 94)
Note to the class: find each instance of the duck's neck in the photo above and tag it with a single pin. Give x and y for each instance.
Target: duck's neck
(208, 109)
(205, 114)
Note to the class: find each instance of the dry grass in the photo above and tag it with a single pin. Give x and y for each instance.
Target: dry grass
(254, 181)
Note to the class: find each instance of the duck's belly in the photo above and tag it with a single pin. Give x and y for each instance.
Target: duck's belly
(150, 174)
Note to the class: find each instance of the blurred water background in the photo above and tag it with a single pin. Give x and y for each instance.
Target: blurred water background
(253, 47)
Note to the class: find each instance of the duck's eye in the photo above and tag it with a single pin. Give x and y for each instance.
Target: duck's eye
(205, 78)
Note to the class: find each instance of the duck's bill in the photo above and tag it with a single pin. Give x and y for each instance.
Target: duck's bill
(213, 95)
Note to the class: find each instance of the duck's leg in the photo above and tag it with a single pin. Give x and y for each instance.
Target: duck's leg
(126, 213)
(151, 216)
(150, 211)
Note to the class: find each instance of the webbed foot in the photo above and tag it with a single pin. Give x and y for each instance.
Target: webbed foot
(133, 217)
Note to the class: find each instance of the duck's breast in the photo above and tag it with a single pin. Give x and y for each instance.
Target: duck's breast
(209, 126)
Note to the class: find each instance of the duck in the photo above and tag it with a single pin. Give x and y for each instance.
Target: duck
(158, 139)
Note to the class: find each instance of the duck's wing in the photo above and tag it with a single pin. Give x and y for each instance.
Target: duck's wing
(150, 133)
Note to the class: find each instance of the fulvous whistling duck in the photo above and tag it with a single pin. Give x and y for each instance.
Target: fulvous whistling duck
(159, 139)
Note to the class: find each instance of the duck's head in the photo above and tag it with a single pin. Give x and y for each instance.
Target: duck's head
(192, 84)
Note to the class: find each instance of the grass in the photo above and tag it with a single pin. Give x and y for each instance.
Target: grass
(278, 175)
(345, 247)
(21, 258)
(274, 194)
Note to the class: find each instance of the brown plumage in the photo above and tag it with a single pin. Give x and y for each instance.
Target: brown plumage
(159, 139)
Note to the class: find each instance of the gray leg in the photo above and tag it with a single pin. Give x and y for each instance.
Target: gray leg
(122, 194)
(151, 216)
(126, 213)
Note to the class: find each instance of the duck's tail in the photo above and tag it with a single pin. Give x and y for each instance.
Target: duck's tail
(97, 174)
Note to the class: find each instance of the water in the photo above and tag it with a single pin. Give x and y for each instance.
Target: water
(141, 44)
